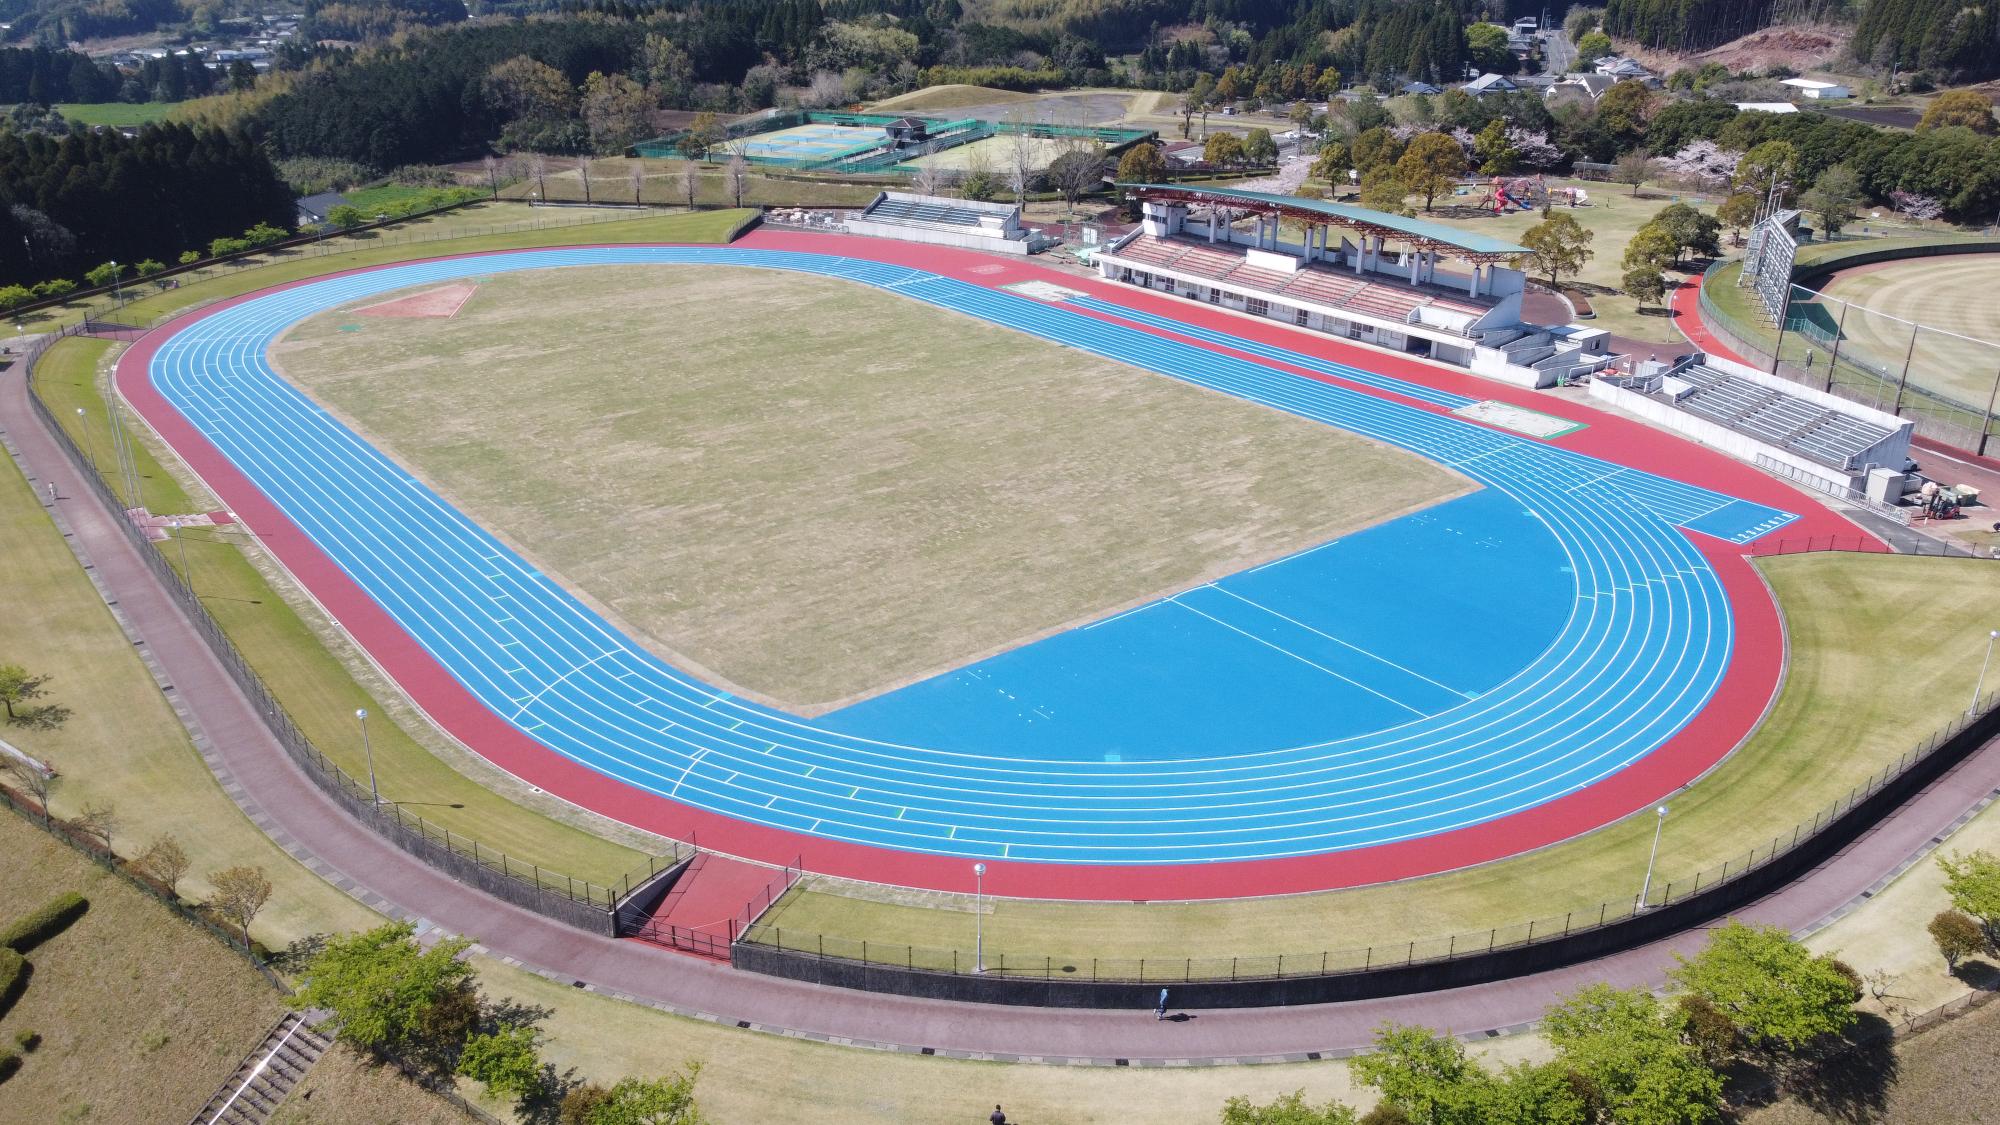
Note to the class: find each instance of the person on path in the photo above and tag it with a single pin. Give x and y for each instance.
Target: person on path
(1160, 1012)
(997, 1117)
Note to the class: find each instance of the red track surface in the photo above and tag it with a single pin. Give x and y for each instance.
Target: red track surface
(1738, 704)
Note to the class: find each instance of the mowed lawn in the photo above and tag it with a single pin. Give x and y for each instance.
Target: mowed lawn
(141, 1014)
(1613, 216)
(1954, 294)
(815, 491)
(317, 674)
(123, 746)
(1847, 617)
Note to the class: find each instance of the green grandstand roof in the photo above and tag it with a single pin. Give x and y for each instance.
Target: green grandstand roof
(1350, 215)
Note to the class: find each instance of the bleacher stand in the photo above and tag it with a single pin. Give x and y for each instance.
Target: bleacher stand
(945, 222)
(1764, 418)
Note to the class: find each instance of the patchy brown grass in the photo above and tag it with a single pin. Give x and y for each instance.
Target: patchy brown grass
(814, 491)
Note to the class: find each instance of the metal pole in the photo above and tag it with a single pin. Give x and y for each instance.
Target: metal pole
(1784, 314)
(180, 539)
(1659, 823)
(1979, 689)
(978, 918)
(1986, 423)
(1833, 361)
(83, 431)
(1897, 409)
(374, 793)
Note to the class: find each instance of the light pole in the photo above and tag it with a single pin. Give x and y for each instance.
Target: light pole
(374, 794)
(1659, 822)
(978, 918)
(1979, 689)
(83, 432)
(114, 281)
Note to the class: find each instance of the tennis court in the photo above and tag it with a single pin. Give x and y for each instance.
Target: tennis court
(805, 143)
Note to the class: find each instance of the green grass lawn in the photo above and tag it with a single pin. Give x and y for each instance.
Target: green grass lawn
(1613, 215)
(372, 200)
(316, 687)
(123, 746)
(312, 668)
(480, 226)
(115, 113)
(141, 1014)
(1847, 616)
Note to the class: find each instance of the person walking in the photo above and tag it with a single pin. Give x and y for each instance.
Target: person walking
(997, 1117)
(1160, 1012)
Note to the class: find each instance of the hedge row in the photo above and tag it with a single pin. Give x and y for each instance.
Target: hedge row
(13, 972)
(36, 927)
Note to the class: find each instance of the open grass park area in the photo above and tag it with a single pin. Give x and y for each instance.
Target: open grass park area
(1613, 215)
(141, 1014)
(874, 493)
(1829, 729)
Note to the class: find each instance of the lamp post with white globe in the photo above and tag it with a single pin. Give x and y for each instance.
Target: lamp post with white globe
(978, 918)
(1647, 889)
(1979, 688)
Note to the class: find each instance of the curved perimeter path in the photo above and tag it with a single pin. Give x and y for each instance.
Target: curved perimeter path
(261, 777)
(1588, 725)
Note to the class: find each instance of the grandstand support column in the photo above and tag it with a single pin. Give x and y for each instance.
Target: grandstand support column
(1416, 265)
(1472, 287)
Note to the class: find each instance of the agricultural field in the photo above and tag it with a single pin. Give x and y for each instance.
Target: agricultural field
(808, 513)
(116, 113)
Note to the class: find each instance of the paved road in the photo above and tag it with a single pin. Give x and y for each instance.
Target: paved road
(259, 775)
(1557, 51)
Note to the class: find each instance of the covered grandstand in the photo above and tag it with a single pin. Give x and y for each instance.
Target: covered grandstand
(1192, 243)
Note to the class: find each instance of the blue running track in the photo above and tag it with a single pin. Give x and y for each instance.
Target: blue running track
(1482, 658)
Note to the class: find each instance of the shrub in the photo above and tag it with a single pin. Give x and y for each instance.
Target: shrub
(27, 1039)
(13, 975)
(37, 926)
(10, 1061)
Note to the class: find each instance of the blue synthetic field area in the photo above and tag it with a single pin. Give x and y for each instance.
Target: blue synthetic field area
(1472, 661)
(1395, 623)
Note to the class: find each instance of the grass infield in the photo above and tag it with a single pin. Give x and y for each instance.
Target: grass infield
(1846, 617)
(874, 493)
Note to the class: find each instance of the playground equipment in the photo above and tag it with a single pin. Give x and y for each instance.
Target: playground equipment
(1528, 193)
(1503, 195)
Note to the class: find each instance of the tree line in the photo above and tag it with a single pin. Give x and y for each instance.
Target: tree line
(44, 76)
(73, 202)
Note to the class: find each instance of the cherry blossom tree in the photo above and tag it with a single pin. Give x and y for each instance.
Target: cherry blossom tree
(1919, 207)
(1704, 163)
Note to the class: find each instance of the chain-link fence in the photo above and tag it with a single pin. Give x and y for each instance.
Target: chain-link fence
(579, 902)
(1945, 382)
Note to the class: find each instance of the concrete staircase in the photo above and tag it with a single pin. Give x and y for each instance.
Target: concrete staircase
(267, 1074)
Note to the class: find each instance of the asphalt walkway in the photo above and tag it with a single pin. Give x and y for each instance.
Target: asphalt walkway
(258, 774)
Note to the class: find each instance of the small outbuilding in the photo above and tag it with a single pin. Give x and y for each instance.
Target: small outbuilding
(1817, 90)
